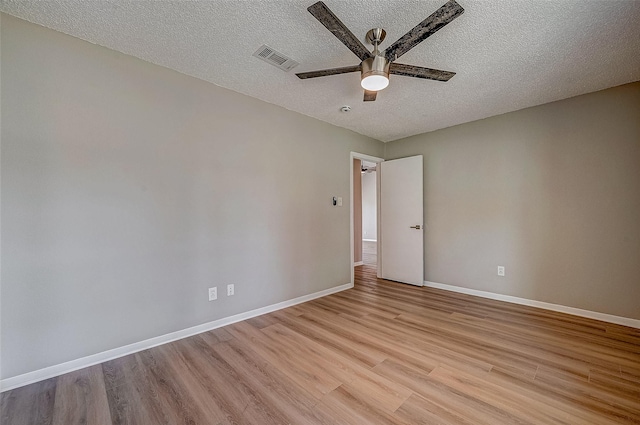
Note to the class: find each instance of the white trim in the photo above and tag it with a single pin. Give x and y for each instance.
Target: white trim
(378, 225)
(70, 366)
(359, 263)
(626, 321)
(370, 240)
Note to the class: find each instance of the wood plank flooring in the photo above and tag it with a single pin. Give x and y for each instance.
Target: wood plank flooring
(380, 353)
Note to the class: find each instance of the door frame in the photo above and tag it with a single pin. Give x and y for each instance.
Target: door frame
(375, 159)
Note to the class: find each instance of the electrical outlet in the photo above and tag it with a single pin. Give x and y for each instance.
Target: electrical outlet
(213, 293)
(230, 290)
(500, 270)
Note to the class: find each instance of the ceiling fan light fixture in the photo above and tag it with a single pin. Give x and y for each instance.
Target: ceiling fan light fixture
(375, 73)
(375, 66)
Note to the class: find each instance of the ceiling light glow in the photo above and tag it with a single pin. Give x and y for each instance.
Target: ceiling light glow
(374, 82)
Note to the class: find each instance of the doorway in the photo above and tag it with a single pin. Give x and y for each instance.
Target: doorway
(368, 172)
(399, 204)
(364, 202)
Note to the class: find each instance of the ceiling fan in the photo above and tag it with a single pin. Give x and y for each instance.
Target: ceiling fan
(376, 66)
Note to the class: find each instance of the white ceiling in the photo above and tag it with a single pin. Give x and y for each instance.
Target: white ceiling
(507, 54)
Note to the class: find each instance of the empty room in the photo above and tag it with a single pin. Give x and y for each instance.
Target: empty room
(319, 212)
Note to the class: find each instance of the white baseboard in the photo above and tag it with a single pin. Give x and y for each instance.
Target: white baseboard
(70, 366)
(358, 263)
(634, 323)
(370, 240)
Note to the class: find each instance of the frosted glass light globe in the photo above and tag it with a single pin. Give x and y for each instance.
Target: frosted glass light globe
(374, 82)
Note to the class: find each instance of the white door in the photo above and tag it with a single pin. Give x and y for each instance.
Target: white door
(401, 226)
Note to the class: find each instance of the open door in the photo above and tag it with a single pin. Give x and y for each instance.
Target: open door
(401, 215)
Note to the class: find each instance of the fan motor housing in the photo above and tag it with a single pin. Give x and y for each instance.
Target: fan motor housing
(376, 65)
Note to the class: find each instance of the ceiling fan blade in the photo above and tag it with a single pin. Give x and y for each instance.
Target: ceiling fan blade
(370, 96)
(441, 17)
(326, 72)
(420, 72)
(326, 17)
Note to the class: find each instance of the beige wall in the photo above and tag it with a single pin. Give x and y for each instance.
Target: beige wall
(551, 192)
(129, 189)
(357, 211)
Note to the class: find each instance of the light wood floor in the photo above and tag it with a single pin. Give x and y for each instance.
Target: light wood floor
(381, 353)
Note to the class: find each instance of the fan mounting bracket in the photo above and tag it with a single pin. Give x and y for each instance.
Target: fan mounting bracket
(375, 36)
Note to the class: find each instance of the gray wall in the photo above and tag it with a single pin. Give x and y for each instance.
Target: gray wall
(129, 189)
(551, 192)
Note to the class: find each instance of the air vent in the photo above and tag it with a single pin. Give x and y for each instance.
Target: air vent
(276, 59)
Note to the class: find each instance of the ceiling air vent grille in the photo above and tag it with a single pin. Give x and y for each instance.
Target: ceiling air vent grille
(276, 59)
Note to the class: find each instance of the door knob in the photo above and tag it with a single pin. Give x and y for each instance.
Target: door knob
(417, 226)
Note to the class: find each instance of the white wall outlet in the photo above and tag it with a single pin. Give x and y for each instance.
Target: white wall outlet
(213, 293)
(230, 290)
(500, 270)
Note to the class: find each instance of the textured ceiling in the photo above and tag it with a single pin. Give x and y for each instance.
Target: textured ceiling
(507, 54)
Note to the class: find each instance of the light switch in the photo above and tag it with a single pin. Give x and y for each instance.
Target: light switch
(339, 201)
